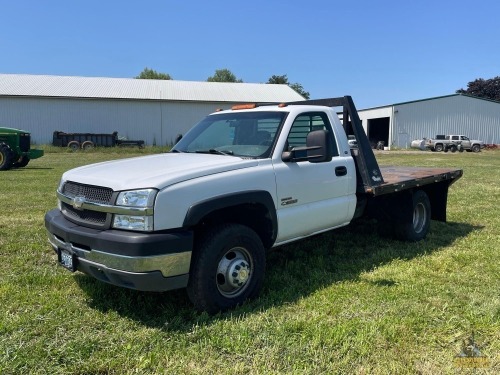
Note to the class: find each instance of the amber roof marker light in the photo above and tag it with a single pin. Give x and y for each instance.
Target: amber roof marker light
(244, 106)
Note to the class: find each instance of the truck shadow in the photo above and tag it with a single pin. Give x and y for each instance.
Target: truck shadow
(293, 271)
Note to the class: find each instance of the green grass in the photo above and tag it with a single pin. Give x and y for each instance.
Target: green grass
(344, 302)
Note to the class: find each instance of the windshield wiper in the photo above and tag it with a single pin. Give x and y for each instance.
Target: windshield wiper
(216, 152)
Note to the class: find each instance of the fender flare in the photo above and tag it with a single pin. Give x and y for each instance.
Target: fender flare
(201, 209)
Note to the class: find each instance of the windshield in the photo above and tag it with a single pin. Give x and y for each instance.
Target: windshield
(244, 134)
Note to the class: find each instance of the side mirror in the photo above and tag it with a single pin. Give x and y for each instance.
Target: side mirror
(317, 149)
(318, 146)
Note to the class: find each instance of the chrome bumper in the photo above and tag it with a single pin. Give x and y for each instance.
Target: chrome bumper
(168, 264)
(154, 261)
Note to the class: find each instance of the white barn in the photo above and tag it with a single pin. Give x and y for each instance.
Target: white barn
(398, 124)
(152, 110)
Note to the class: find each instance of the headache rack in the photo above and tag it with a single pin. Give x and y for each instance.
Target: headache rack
(368, 171)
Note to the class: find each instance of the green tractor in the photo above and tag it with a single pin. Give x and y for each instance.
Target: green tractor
(15, 149)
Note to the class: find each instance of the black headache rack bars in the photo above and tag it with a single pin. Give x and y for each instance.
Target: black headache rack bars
(367, 168)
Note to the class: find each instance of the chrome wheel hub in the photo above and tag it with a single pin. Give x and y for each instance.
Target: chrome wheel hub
(419, 215)
(234, 272)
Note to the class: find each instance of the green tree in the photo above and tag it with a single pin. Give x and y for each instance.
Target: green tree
(153, 74)
(483, 88)
(278, 80)
(283, 80)
(223, 75)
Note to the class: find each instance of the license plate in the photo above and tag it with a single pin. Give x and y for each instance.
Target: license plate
(66, 259)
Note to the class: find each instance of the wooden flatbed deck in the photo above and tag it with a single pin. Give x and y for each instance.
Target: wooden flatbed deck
(403, 178)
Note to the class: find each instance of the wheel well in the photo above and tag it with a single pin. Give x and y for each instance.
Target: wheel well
(254, 216)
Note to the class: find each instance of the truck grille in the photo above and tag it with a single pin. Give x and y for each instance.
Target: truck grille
(87, 216)
(94, 194)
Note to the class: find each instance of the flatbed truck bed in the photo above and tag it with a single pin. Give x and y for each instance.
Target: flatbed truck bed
(402, 178)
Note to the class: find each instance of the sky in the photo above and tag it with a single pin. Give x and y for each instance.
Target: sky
(379, 52)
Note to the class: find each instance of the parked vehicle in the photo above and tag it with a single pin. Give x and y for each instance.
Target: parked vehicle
(15, 149)
(86, 141)
(454, 143)
(238, 183)
(419, 143)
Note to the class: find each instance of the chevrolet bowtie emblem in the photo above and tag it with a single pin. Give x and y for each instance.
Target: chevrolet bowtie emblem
(78, 202)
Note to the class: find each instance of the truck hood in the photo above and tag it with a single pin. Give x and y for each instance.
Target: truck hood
(155, 171)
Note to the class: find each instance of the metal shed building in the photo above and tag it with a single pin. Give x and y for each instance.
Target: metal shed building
(152, 110)
(398, 124)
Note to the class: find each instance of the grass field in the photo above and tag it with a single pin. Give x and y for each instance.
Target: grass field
(346, 302)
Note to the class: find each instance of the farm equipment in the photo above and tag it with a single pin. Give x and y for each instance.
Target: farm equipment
(15, 149)
(87, 141)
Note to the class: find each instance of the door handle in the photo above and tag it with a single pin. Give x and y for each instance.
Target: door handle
(340, 171)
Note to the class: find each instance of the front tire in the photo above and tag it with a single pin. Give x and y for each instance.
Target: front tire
(227, 268)
(22, 162)
(415, 227)
(438, 147)
(476, 148)
(6, 157)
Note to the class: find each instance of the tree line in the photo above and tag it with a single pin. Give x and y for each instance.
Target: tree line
(225, 75)
(481, 88)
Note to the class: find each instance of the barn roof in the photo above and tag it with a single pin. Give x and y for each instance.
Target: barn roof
(433, 98)
(142, 89)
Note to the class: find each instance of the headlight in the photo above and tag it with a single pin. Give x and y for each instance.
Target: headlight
(135, 198)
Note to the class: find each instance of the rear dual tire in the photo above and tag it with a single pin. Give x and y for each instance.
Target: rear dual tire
(415, 227)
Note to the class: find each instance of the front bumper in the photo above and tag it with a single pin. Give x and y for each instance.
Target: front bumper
(141, 261)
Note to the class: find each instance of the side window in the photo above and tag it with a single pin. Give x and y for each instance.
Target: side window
(256, 131)
(454, 137)
(306, 123)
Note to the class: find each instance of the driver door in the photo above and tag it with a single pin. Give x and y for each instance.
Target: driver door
(312, 197)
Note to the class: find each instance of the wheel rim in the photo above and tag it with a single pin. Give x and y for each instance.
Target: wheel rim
(419, 217)
(234, 272)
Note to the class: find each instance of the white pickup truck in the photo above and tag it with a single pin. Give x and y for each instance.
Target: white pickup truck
(238, 183)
